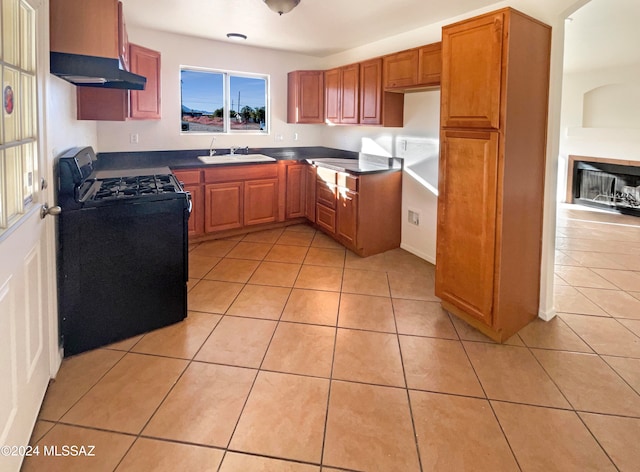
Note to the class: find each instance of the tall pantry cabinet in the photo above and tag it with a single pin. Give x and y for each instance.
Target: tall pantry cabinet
(494, 99)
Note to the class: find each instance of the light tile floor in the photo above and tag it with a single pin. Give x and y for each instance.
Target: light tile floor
(298, 355)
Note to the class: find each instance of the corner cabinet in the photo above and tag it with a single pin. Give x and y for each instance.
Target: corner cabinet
(362, 212)
(94, 103)
(305, 99)
(492, 165)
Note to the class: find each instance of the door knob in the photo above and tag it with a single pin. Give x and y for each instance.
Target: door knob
(47, 210)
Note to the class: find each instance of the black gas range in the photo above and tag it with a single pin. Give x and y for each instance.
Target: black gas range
(122, 256)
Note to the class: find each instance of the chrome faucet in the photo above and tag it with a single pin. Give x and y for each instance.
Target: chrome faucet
(211, 150)
(234, 149)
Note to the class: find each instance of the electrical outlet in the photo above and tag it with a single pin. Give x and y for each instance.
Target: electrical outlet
(278, 137)
(295, 136)
(414, 217)
(133, 138)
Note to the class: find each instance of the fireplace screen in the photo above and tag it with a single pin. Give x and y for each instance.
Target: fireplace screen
(607, 185)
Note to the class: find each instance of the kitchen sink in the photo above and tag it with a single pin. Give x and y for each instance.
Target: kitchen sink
(235, 158)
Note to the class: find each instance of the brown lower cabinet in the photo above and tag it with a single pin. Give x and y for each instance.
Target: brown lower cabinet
(361, 212)
(224, 206)
(260, 201)
(191, 181)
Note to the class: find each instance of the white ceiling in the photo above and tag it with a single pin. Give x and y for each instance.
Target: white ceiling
(314, 27)
(603, 32)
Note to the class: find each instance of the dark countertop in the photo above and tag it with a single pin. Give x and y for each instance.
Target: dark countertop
(339, 159)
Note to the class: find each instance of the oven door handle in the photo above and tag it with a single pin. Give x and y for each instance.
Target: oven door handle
(190, 206)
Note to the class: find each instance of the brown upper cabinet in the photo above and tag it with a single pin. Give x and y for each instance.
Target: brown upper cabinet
(354, 95)
(429, 64)
(473, 62)
(88, 27)
(145, 104)
(305, 101)
(342, 96)
(378, 107)
(401, 69)
(413, 69)
(494, 100)
(96, 103)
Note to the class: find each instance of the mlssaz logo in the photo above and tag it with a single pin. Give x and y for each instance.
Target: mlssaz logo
(69, 451)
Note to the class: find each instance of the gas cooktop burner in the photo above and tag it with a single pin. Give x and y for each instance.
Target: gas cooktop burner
(127, 187)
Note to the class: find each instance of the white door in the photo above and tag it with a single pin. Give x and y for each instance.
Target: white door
(27, 272)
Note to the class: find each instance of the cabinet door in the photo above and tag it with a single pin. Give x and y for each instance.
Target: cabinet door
(295, 195)
(305, 98)
(196, 218)
(190, 180)
(430, 64)
(349, 93)
(310, 191)
(260, 201)
(466, 232)
(471, 73)
(401, 69)
(332, 95)
(347, 217)
(223, 206)
(94, 103)
(145, 104)
(371, 92)
(103, 104)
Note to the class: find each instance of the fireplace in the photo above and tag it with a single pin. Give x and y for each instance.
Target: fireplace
(605, 183)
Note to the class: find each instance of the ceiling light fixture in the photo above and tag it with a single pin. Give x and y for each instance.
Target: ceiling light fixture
(236, 36)
(282, 6)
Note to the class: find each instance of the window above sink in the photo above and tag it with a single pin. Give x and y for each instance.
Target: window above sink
(215, 101)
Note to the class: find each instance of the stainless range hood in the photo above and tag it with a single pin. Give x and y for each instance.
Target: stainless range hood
(93, 71)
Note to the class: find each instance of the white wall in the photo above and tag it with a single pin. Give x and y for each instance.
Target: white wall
(618, 133)
(177, 50)
(63, 129)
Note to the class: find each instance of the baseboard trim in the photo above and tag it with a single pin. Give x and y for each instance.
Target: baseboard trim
(547, 315)
(418, 253)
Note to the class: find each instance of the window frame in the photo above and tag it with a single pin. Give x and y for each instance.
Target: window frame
(226, 90)
(21, 184)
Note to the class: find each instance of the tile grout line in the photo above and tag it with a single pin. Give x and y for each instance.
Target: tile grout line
(333, 358)
(495, 415)
(404, 376)
(259, 369)
(573, 408)
(601, 355)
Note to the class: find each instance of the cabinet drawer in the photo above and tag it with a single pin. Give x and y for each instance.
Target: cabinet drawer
(240, 172)
(326, 194)
(326, 218)
(326, 175)
(348, 181)
(188, 176)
